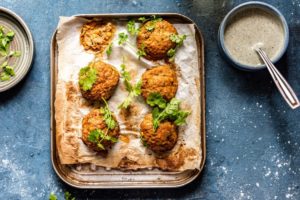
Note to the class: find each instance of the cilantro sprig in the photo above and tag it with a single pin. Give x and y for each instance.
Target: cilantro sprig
(134, 90)
(108, 117)
(67, 196)
(109, 50)
(6, 71)
(178, 39)
(87, 77)
(97, 136)
(141, 52)
(163, 110)
(123, 37)
(131, 28)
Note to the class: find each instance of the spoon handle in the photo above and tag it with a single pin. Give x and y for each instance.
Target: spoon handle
(284, 88)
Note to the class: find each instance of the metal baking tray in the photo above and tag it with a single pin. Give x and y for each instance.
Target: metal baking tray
(89, 176)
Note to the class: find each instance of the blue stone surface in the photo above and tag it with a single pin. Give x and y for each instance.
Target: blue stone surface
(253, 137)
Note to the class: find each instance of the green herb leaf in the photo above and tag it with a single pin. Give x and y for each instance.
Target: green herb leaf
(134, 90)
(68, 196)
(171, 111)
(108, 118)
(87, 77)
(141, 52)
(150, 27)
(143, 19)
(123, 37)
(52, 197)
(131, 27)
(15, 53)
(109, 50)
(178, 39)
(155, 99)
(97, 136)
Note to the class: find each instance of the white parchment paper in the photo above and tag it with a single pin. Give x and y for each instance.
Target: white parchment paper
(70, 107)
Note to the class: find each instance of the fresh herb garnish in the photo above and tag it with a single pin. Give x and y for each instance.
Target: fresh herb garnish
(155, 99)
(6, 71)
(178, 39)
(134, 90)
(171, 54)
(164, 111)
(68, 196)
(153, 18)
(107, 114)
(109, 49)
(98, 136)
(87, 77)
(150, 27)
(131, 27)
(143, 19)
(123, 37)
(141, 51)
(52, 196)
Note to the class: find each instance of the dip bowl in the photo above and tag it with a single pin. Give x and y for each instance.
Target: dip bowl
(243, 7)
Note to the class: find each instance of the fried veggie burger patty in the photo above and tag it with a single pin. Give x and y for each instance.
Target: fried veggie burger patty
(98, 81)
(160, 79)
(97, 35)
(95, 132)
(154, 39)
(161, 140)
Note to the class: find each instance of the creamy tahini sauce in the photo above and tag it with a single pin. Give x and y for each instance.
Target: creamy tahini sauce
(250, 29)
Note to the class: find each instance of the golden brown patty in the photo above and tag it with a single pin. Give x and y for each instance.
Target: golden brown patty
(92, 121)
(165, 137)
(107, 80)
(156, 43)
(160, 79)
(96, 35)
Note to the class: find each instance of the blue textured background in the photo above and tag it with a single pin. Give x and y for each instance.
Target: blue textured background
(253, 140)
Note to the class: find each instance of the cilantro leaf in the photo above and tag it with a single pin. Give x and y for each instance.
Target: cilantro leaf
(123, 37)
(109, 50)
(87, 77)
(68, 196)
(178, 39)
(131, 27)
(15, 53)
(171, 54)
(134, 90)
(7, 71)
(141, 52)
(52, 197)
(143, 19)
(107, 114)
(97, 136)
(172, 112)
(155, 99)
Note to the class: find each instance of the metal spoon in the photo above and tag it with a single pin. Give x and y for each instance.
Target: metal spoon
(284, 88)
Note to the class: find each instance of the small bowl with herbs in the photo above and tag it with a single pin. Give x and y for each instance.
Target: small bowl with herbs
(16, 49)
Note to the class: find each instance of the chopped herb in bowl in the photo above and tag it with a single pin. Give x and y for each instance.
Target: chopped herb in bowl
(6, 69)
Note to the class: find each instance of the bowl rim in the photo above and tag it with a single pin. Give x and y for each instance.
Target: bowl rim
(30, 55)
(252, 4)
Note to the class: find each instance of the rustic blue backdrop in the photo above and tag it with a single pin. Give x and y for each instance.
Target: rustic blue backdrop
(253, 138)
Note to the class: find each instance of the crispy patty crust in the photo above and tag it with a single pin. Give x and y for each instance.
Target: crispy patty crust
(165, 137)
(106, 83)
(160, 79)
(154, 39)
(93, 121)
